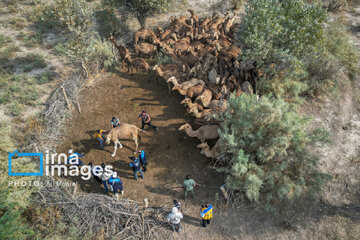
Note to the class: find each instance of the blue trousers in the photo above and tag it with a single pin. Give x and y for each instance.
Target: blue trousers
(105, 185)
(136, 173)
(101, 143)
(149, 124)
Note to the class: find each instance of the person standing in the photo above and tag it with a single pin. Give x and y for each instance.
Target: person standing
(188, 186)
(174, 217)
(74, 158)
(136, 167)
(99, 135)
(116, 184)
(104, 178)
(146, 120)
(206, 214)
(143, 160)
(114, 122)
(97, 178)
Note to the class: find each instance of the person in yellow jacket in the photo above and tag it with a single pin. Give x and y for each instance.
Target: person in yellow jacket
(206, 213)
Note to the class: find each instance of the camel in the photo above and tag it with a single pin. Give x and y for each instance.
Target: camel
(187, 84)
(205, 97)
(123, 51)
(207, 114)
(218, 105)
(191, 92)
(210, 153)
(123, 131)
(206, 132)
(190, 104)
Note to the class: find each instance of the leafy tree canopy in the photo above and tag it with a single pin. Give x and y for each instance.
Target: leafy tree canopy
(269, 141)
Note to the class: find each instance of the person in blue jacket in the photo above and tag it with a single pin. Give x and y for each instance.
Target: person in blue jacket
(74, 158)
(116, 184)
(143, 160)
(136, 167)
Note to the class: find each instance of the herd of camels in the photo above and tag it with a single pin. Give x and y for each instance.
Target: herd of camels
(204, 69)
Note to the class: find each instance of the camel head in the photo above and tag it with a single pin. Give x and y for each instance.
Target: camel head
(108, 138)
(186, 101)
(172, 79)
(176, 87)
(203, 145)
(185, 126)
(201, 97)
(155, 67)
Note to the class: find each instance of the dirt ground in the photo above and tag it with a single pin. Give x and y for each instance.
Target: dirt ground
(171, 153)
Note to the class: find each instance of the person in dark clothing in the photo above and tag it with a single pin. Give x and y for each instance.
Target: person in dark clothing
(114, 122)
(97, 178)
(136, 167)
(143, 159)
(146, 120)
(116, 184)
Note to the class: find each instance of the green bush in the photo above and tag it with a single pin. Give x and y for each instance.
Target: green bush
(18, 88)
(4, 40)
(141, 8)
(12, 224)
(14, 108)
(99, 53)
(66, 16)
(281, 33)
(27, 63)
(337, 42)
(269, 140)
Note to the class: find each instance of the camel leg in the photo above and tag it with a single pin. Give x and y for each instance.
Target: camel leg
(136, 143)
(169, 88)
(115, 147)
(120, 145)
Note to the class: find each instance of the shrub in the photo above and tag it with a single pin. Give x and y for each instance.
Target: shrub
(27, 63)
(14, 108)
(4, 40)
(281, 33)
(18, 88)
(337, 43)
(66, 16)
(12, 224)
(162, 58)
(271, 164)
(99, 54)
(141, 8)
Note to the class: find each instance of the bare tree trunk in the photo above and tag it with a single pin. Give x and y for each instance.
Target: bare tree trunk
(142, 20)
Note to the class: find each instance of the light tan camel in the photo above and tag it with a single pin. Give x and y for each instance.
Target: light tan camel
(203, 133)
(210, 153)
(123, 131)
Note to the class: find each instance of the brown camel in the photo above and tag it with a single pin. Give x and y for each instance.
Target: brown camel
(123, 131)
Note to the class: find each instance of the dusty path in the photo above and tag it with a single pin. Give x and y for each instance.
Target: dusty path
(171, 153)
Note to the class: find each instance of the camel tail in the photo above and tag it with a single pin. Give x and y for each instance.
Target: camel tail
(142, 130)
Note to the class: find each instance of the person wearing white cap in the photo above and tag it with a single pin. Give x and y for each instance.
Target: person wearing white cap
(116, 184)
(174, 217)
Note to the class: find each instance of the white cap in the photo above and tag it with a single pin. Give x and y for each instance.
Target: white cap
(71, 151)
(114, 175)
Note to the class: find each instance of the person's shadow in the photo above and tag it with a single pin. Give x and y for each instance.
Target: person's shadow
(191, 220)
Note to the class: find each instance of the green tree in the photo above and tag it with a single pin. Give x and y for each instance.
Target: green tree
(269, 141)
(141, 8)
(279, 33)
(12, 225)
